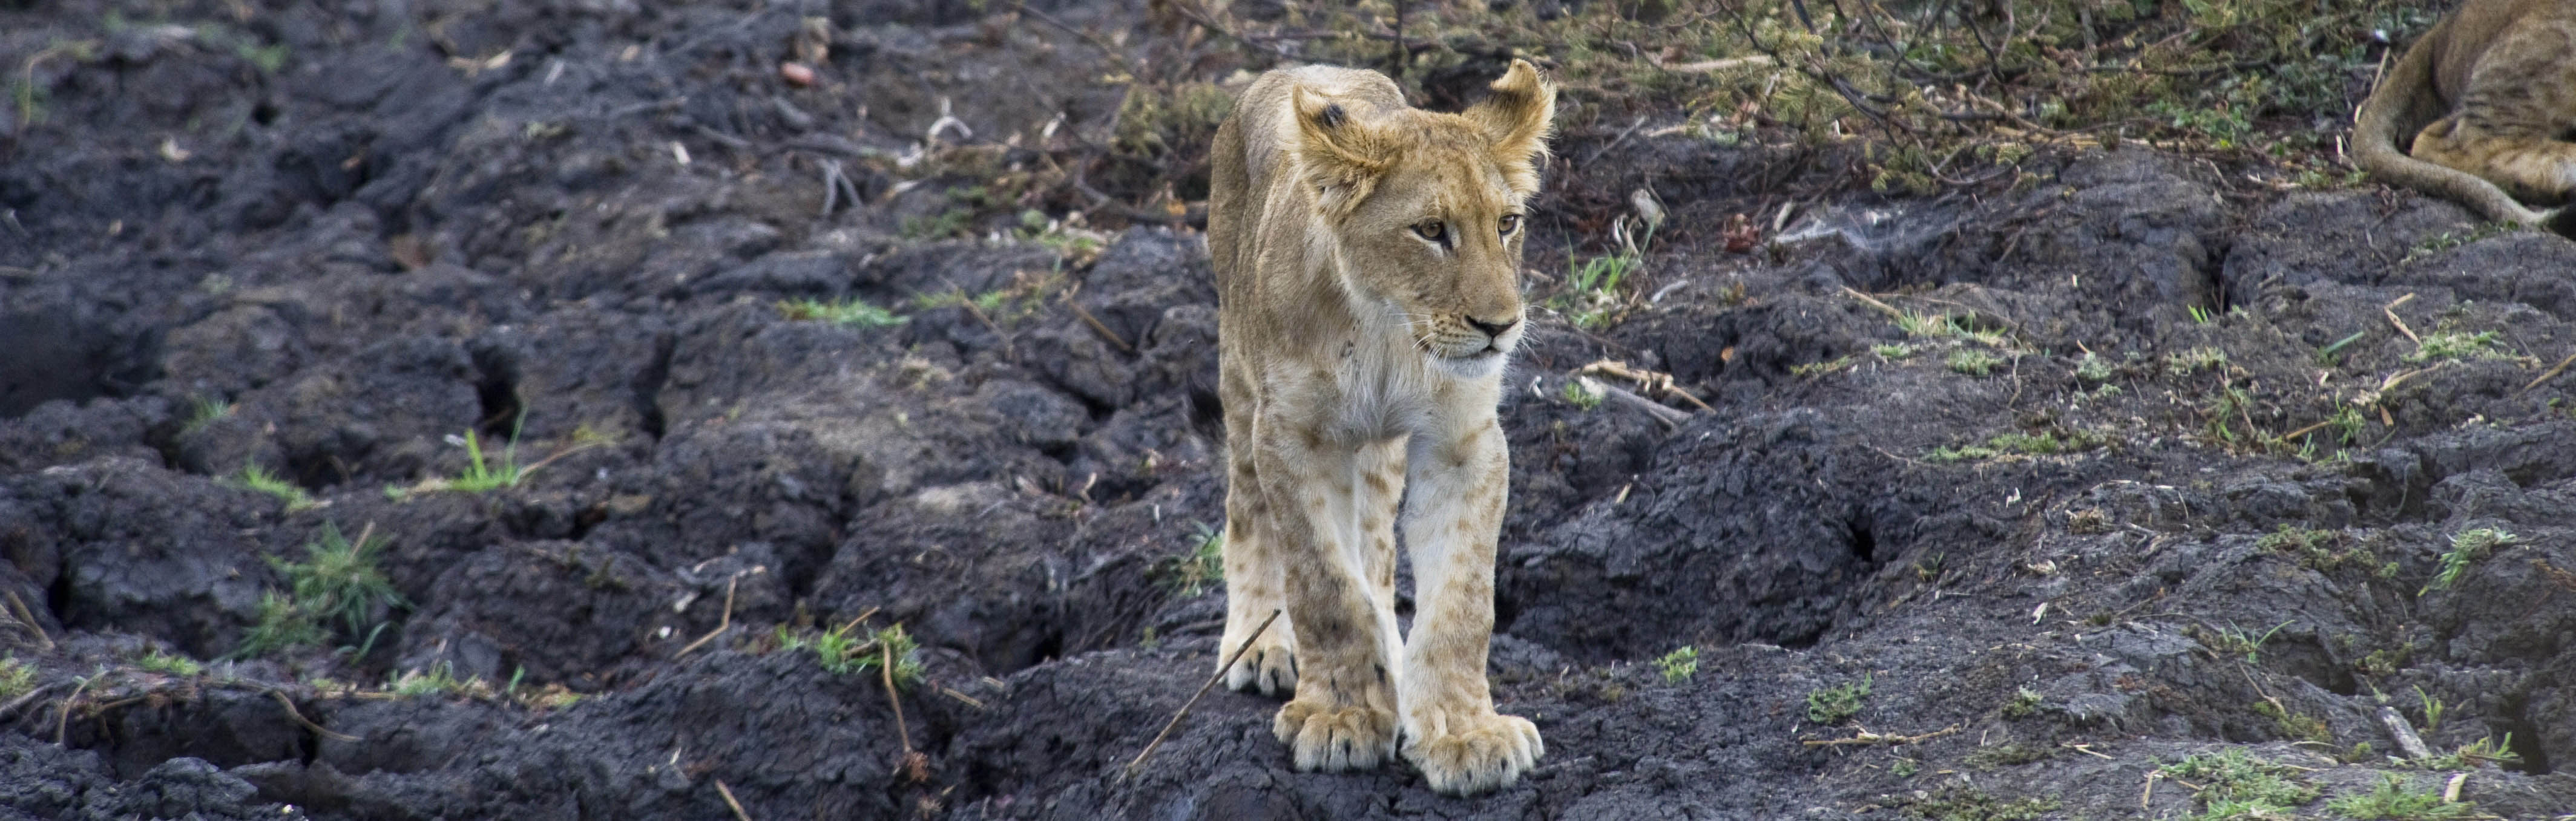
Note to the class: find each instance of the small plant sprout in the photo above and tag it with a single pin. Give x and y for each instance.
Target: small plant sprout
(841, 651)
(2466, 546)
(2449, 345)
(1583, 393)
(2196, 359)
(2200, 315)
(1973, 362)
(1822, 368)
(2236, 785)
(1839, 703)
(2093, 369)
(1194, 572)
(2024, 702)
(17, 678)
(1892, 352)
(484, 473)
(439, 680)
(1679, 665)
(171, 664)
(254, 477)
(856, 313)
(281, 625)
(203, 411)
(339, 579)
(2331, 354)
(2433, 709)
(2394, 801)
(2476, 754)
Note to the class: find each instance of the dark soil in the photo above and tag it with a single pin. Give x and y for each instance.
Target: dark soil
(334, 242)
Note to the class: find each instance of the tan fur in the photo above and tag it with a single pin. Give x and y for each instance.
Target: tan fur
(2489, 100)
(1361, 353)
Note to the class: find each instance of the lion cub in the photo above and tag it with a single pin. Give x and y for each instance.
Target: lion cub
(2489, 98)
(1367, 259)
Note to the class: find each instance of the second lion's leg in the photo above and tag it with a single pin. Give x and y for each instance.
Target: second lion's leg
(1452, 519)
(1343, 716)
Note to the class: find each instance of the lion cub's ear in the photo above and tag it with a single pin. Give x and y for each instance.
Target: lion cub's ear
(1516, 118)
(1341, 156)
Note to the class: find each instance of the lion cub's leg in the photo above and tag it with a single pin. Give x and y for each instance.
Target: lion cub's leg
(2519, 107)
(1451, 522)
(1343, 717)
(1380, 487)
(1254, 582)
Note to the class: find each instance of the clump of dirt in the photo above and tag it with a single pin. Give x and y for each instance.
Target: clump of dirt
(557, 409)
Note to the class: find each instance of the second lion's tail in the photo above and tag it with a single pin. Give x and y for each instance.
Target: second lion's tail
(2403, 104)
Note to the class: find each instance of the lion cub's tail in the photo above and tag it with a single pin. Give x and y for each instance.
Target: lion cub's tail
(2404, 103)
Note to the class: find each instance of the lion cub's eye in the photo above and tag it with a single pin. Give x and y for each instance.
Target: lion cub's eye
(1511, 222)
(1431, 230)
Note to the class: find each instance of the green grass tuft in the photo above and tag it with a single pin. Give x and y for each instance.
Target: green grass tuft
(2236, 785)
(857, 313)
(2467, 546)
(2394, 801)
(1839, 703)
(254, 477)
(1679, 665)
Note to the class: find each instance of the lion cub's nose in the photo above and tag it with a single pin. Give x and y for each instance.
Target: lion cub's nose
(1493, 329)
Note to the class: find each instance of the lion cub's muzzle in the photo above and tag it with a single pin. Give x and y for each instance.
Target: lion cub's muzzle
(1474, 344)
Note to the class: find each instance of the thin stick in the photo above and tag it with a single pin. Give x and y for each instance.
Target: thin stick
(29, 619)
(2390, 310)
(721, 624)
(63, 722)
(1867, 737)
(1104, 330)
(31, 695)
(2306, 430)
(1203, 688)
(886, 671)
(2550, 374)
(727, 792)
(1873, 302)
(2148, 798)
(289, 704)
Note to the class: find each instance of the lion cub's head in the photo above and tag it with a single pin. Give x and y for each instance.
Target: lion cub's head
(1428, 211)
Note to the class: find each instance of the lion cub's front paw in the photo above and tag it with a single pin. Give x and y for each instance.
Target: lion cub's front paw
(1476, 753)
(1323, 735)
(1270, 666)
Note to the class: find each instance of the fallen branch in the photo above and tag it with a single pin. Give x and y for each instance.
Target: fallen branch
(1203, 688)
(1867, 737)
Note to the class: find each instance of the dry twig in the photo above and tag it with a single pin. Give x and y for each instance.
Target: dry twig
(736, 806)
(1867, 737)
(1203, 688)
(721, 624)
(2545, 376)
(2390, 310)
(289, 704)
